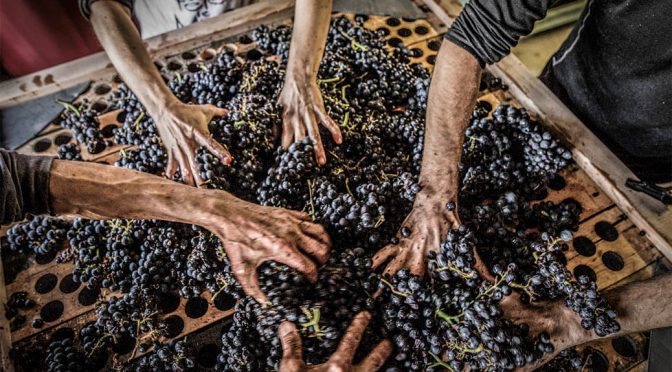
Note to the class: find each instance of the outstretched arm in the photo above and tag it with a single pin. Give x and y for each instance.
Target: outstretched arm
(641, 306)
(183, 128)
(452, 95)
(301, 99)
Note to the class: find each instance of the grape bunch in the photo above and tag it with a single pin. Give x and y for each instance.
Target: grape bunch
(42, 235)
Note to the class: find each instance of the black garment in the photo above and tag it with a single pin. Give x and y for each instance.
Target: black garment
(24, 187)
(614, 71)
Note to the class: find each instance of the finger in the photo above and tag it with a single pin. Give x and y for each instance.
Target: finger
(315, 248)
(215, 148)
(353, 335)
(316, 231)
(171, 166)
(298, 127)
(394, 266)
(416, 264)
(300, 215)
(383, 255)
(376, 357)
(291, 342)
(314, 134)
(287, 130)
(250, 283)
(297, 261)
(194, 170)
(217, 111)
(330, 124)
(185, 170)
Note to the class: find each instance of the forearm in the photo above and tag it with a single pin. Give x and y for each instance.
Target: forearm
(452, 95)
(311, 25)
(644, 305)
(123, 44)
(99, 191)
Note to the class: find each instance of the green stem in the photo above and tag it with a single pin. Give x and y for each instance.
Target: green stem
(441, 363)
(392, 288)
(69, 106)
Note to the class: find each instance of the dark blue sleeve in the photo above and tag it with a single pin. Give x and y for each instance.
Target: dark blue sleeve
(24, 185)
(85, 6)
(488, 29)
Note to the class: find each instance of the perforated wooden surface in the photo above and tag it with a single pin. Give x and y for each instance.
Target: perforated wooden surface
(609, 245)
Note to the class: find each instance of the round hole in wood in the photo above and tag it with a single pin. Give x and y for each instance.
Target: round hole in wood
(583, 270)
(404, 32)
(383, 31)
(46, 283)
(51, 311)
(121, 116)
(394, 41)
(42, 145)
(406, 19)
(434, 45)
(253, 55)
(557, 183)
(158, 65)
(613, 261)
(606, 231)
(394, 22)
(596, 361)
(595, 194)
(431, 59)
(117, 79)
(62, 334)
(68, 285)
(124, 345)
(62, 139)
(108, 130)
(193, 67)
(417, 52)
(174, 326)
(361, 17)
(99, 106)
(188, 55)
(485, 105)
(168, 302)
(174, 65)
(584, 246)
(207, 54)
(196, 307)
(43, 259)
(88, 297)
(563, 259)
(102, 89)
(625, 346)
(224, 301)
(421, 30)
(207, 355)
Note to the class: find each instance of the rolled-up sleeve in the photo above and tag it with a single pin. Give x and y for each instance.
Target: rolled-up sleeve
(25, 185)
(85, 6)
(488, 29)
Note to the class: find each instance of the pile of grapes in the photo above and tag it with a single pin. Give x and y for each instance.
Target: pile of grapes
(450, 320)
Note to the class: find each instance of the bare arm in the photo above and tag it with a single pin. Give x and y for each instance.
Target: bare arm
(251, 234)
(183, 128)
(452, 95)
(300, 96)
(641, 306)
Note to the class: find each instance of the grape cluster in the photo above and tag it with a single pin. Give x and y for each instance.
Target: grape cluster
(62, 356)
(83, 122)
(41, 235)
(69, 151)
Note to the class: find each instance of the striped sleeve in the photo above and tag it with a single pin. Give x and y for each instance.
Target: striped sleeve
(488, 29)
(85, 6)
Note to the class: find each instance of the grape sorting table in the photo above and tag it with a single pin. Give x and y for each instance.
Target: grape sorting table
(622, 237)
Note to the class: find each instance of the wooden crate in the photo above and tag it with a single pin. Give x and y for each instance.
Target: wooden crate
(630, 256)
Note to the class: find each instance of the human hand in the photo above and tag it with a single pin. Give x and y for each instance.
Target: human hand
(183, 129)
(252, 234)
(341, 360)
(552, 319)
(303, 109)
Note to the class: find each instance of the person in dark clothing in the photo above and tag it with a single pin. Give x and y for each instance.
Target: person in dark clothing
(614, 72)
(251, 234)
